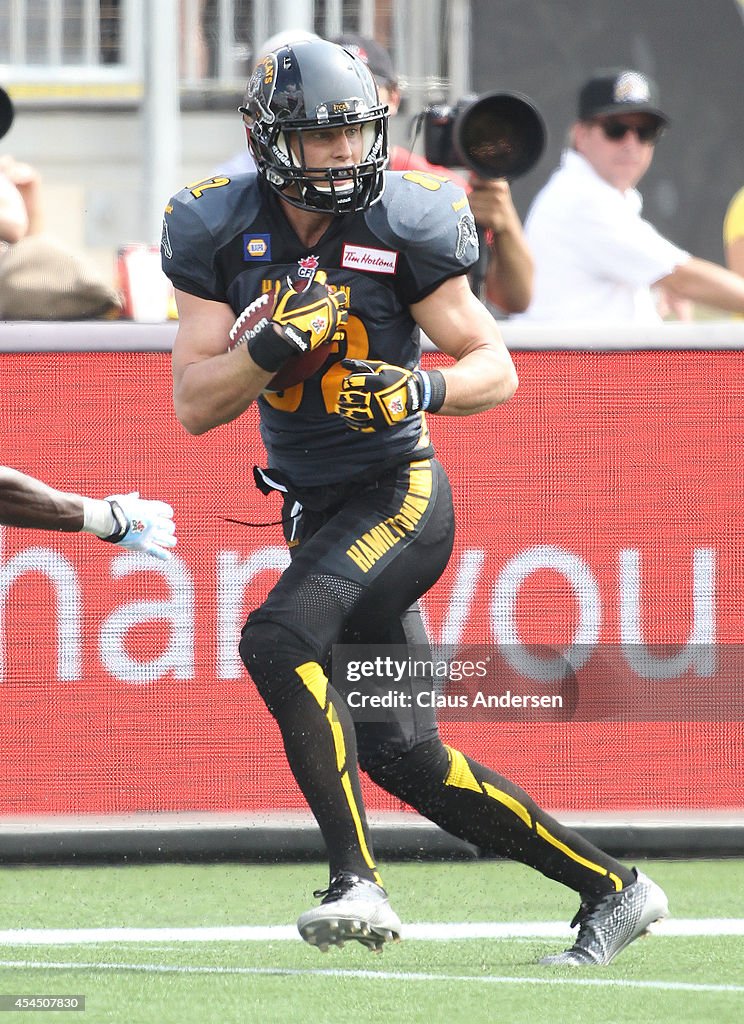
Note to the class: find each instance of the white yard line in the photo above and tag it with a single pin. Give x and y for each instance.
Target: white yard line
(439, 932)
(470, 979)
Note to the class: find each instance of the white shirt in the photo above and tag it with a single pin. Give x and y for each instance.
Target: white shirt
(595, 256)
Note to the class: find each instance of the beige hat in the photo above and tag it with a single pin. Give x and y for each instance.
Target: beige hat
(41, 279)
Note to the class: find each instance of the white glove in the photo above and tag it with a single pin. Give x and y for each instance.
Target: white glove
(142, 525)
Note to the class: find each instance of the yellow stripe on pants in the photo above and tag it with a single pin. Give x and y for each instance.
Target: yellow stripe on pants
(461, 776)
(316, 681)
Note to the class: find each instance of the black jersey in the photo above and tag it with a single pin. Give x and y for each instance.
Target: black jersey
(227, 240)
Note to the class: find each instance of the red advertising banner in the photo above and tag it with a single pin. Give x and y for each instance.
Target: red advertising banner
(599, 527)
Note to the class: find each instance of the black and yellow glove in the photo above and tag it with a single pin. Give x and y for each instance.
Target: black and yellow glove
(377, 395)
(308, 314)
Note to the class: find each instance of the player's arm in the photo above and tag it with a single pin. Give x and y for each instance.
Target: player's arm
(221, 365)
(26, 501)
(376, 395)
(212, 384)
(123, 519)
(441, 241)
(483, 375)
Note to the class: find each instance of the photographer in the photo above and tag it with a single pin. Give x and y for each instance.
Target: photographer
(40, 278)
(509, 269)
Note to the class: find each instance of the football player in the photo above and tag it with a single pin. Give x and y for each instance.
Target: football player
(358, 260)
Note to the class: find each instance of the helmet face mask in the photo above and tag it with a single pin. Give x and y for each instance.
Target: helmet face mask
(307, 86)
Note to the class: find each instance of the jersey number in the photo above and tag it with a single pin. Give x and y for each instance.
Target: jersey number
(431, 182)
(198, 189)
(353, 345)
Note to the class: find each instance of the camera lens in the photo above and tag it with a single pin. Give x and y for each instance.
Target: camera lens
(501, 135)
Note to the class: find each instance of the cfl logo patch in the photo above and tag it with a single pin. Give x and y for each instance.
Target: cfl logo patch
(308, 265)
(319, 324)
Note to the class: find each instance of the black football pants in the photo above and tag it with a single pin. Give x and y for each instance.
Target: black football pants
(362, 554)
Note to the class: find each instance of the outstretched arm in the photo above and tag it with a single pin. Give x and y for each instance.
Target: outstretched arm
(26, 501)
(124, 519)
(703, 281)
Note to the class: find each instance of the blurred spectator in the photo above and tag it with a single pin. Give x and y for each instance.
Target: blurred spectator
(509, 270)
(20, 199)
(733, 234)
(40, 278)
(43, 279)
(595, 257)
(20, 187)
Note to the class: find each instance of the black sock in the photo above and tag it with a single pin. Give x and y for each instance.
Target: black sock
(320, 745)
(478, 805)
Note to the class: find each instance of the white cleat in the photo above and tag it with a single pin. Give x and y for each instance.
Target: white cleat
(352, 908)
(611, 923)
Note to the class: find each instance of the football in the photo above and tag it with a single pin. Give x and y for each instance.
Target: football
(297, 368)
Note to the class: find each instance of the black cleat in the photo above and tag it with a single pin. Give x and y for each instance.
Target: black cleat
(611, 923)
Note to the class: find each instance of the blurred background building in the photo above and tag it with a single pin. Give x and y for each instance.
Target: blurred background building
(120, 102)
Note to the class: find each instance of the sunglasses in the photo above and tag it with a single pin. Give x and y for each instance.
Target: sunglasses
(617, 130)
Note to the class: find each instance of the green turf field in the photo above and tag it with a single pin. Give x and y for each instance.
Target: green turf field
(688, 972)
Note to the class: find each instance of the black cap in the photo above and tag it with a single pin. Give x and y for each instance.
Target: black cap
(374, 55)
(619, 91)
(6, 112)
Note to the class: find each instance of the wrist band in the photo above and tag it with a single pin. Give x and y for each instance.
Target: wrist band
(98, 517)
(433, 389)
(121, 521)
(268, 350)
(423, 377)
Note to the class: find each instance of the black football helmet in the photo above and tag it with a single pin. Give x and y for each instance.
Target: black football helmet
(304, 86)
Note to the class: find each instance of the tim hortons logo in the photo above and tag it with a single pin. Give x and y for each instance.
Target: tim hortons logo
(363, 257)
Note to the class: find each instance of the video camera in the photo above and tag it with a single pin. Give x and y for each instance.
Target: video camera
(497, 134)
